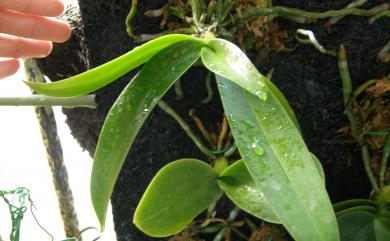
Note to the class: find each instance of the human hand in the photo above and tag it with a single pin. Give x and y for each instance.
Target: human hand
(27, 30)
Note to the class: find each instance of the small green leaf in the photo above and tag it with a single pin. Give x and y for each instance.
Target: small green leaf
(128, 114)
(357, 226)
(284, 170)
(102, 75)
(177, 194)
(239, 186)
(227, 60)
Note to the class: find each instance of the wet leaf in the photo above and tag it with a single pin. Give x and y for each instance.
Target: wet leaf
(128, 114)
(279, 162)
(102, 75)
(227, 60)
(177, 194)
(239, 186)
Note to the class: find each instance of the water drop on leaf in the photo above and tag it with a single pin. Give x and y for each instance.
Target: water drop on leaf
(262, 95)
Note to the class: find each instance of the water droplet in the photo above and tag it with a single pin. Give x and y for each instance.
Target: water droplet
(261, 84)
(262, 95)
(234, 58)
(257, 149)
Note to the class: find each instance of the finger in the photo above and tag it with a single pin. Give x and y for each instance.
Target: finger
(16, 47)
(8, 67)
(36, 27)
(50, 8)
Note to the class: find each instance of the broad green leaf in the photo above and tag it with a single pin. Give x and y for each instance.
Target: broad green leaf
(102, 75)
(228, 61)
(357, 226)
(239, 186)
(128, 114)
(279, 162)
(177, 194)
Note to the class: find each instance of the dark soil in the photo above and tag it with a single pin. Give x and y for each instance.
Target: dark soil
(309, 80)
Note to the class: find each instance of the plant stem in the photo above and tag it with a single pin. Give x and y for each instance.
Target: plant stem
(87, 101)
(201, 128)
(209, 96)
(356, 134)
(353, 4)
(302, 16)
(230, 151)
(385, 159)
(223, 133)
(165, 107)
(129, 18)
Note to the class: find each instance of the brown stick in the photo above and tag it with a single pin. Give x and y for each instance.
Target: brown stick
(55, 157)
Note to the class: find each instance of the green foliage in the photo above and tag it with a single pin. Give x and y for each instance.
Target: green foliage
(128, 114)
(167, 208)
(361, 220)
(279, 163)
(238, 185)
(264, 127)
(101, 76)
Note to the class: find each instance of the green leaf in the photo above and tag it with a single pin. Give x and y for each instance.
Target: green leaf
(228, 61)
(177, 194)
(279, 162)
(357, 226)
(239, 186)
(363, 208)
(352, 203)
(128, 114)
(382, 227)
(102, 75)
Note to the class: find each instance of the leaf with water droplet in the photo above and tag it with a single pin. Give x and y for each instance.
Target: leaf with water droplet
(218, 56)
(286, 172)
(167, 208)
(227, 60)
(112, 149)
(102, 75)
(239, 186)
